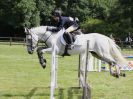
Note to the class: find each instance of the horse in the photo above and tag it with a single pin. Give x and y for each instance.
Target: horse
(100, 46)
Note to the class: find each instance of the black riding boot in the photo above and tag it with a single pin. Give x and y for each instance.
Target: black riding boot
(67, 37)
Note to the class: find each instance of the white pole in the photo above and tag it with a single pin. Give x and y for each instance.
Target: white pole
(94, 64)
(99, 65)
(90, 66)
(53, 72)
(83, 68)
(56, 68)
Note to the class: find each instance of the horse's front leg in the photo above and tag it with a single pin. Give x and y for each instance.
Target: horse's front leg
(40, 52)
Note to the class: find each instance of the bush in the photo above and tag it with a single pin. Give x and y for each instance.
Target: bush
(91, 25)
(95, 25)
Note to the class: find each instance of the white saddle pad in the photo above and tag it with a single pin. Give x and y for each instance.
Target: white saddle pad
(62, 40)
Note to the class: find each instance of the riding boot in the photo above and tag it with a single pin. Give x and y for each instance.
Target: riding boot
(68, 40)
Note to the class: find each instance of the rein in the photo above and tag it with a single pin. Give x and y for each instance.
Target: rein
(47, 37)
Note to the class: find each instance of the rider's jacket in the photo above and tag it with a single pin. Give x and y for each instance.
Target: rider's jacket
(65, 22)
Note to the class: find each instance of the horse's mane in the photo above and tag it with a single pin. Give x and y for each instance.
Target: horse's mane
(44, 27)
(35, 28)
(39, 29)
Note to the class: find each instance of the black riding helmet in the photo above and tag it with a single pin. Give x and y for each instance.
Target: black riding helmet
(56, 13)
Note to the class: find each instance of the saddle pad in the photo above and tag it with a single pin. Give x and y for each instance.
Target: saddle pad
(62, 40)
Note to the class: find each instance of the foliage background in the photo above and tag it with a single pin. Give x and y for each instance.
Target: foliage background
(103, 16)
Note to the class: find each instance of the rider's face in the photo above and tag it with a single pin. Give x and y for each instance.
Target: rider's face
(55, 18)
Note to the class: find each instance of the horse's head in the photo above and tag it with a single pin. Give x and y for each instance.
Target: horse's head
(31, 40)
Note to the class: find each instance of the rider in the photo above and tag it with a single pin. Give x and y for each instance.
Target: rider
(69, 24)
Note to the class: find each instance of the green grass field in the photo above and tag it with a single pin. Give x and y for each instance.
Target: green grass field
(21, 77)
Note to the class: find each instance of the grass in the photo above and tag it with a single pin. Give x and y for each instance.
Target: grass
(21, 77)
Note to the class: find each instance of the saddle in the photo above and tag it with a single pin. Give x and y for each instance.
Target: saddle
(76, 32)
(70, 37)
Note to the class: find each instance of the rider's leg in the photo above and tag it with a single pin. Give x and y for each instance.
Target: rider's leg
(67, 36)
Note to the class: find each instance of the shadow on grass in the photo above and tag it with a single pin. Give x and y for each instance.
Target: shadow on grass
(33, 92)
(70, 93)
(60, 93)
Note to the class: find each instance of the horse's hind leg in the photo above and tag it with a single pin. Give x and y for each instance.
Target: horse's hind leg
(122, 73)
(119, 72)
(111, 62)
(112, 72)
(117, 69)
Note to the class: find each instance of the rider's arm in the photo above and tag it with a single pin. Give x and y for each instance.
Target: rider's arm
(59, 27)
(61, 23)
(53, 29)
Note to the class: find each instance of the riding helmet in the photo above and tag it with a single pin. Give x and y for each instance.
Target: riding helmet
(56, 13)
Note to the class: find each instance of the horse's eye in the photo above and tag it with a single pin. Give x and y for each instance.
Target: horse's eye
(28, 40)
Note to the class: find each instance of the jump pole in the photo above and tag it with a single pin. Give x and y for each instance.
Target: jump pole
(82, 74)
(54, 65)
(94, 64)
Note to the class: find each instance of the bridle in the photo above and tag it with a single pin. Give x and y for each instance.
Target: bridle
(32, 38)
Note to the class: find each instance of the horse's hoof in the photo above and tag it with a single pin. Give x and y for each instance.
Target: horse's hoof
(117, 76)
(43, 64)
(124, 75)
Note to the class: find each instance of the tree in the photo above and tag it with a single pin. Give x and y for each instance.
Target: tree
(127, 8)
(45, 7)
(105, 16)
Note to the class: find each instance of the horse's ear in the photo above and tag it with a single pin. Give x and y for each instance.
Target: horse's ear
(26, 30)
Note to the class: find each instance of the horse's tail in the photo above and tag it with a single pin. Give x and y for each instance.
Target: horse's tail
(115, 51)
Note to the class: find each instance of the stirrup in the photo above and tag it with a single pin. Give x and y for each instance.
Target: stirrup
(66, 51)
(70, 46)
(65, 54)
